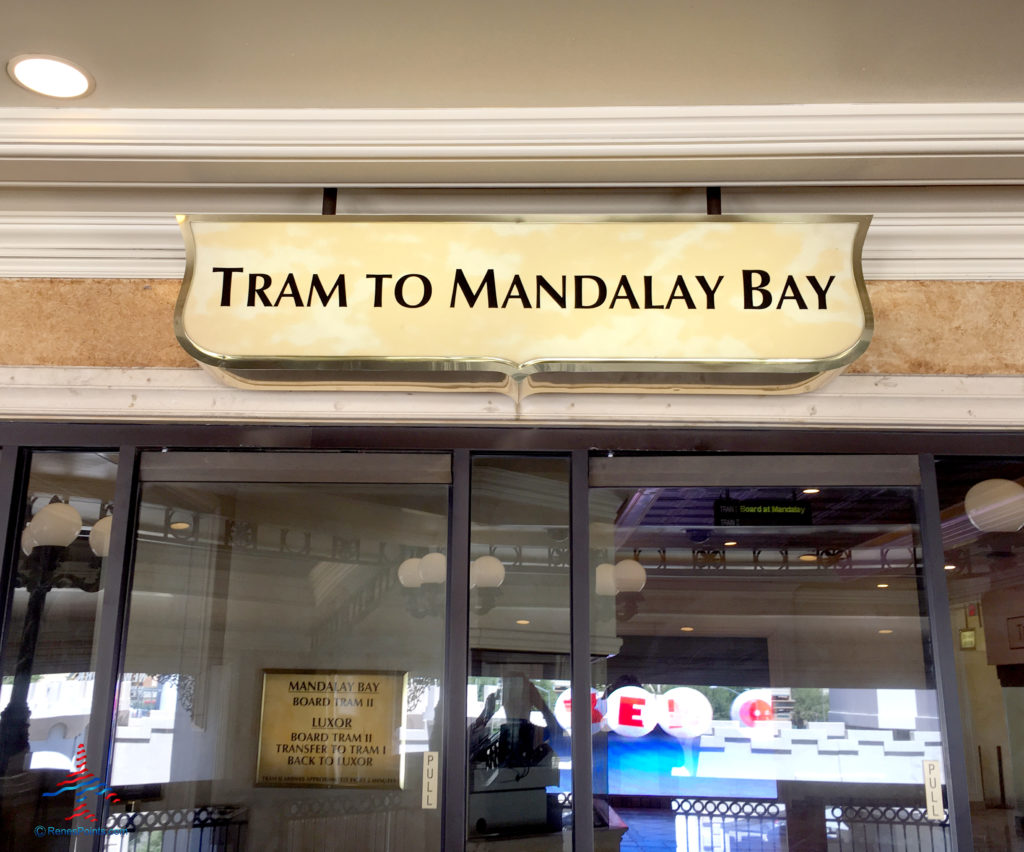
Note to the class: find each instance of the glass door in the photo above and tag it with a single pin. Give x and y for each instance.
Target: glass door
(475, 650)
(284, 653)
(982, 511)
(519, 776)
(762, 673)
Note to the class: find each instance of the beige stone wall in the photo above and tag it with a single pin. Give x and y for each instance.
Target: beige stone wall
(946, 328)
(921, 327)
(71, 322)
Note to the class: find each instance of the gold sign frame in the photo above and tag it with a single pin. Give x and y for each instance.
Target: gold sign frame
(611, 372)
(341, 729)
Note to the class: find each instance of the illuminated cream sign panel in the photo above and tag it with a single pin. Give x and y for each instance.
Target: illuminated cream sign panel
(687, 303)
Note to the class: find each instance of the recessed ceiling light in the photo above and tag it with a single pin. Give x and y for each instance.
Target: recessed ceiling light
(729, 543)
(50, 76)
(686, 629)
(522, 621)
(812, 491)
(808, 557)
(181, 525)
(950, 567)
(883, 585)
(886, 631)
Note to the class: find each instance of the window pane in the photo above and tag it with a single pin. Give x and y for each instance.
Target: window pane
(982, 503)
(282, 675)
(49, 659)
(517, 702)
(764, 666)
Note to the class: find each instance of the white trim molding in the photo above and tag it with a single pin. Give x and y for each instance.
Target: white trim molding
(92, 193)
(90, 245)
(950, 246)
(922, 246)
(191, 395)
(969, 143)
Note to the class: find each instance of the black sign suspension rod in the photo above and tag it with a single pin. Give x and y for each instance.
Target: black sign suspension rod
(714, 196)
(330, 205)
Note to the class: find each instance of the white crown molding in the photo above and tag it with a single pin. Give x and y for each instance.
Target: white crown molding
(759, 145)
(921, 246)
(191, 395)
(945, 246)
(84, 245)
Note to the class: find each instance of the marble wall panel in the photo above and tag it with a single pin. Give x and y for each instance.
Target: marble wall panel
(921, 327)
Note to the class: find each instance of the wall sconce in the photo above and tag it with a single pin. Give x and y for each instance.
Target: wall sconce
(630, 576)
(58, 524)
(423, 579)
(627, 575)
(486, 574)
(99, 536)
(423, 570)
(605, 585)
(55, 525)
(409, 574)
(996, 505)
(624, 580)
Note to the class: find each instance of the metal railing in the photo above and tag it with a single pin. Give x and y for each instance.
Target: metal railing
(729, 825)
(877, 828)
(192, 830)
(743, 825)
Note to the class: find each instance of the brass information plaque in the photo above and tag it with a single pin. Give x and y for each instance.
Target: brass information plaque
(331, 729)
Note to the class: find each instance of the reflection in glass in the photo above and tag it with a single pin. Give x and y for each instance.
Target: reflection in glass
(982, 503)
(232, 580)
(518, 700)
(766, 665)
(49, 659)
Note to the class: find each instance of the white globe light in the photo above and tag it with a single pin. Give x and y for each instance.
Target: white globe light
(605, 580)
(996, 505)
(56, 524)
(630, 576)
(434, 568)
(27, 542)
(99, 536)
(409, 574)
(486, 572)
(685, 713)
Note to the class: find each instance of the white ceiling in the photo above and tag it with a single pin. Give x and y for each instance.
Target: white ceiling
(533, 53)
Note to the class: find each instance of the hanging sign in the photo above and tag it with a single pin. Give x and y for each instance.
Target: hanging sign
(710, 303)
(331, 729)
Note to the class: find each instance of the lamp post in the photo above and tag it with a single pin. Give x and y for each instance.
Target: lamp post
(44, 542)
